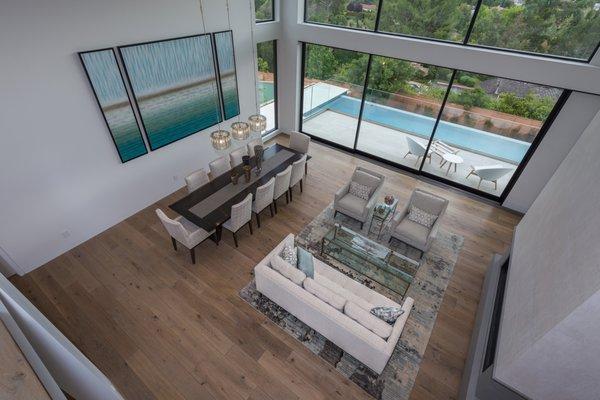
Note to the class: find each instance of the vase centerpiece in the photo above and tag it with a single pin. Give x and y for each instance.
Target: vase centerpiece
(258, 152)
(247, 169)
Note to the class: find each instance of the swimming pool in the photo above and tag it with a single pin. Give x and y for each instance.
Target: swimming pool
(266, 92)
(478, 141)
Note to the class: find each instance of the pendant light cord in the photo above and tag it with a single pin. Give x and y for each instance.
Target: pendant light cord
(213, 84)
(229, 25)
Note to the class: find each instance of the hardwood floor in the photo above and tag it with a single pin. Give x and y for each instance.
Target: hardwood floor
(160, 327)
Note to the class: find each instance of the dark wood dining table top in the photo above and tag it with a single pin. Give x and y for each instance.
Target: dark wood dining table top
(222, 212)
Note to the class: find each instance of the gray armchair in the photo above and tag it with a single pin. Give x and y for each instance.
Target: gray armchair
(355, 207)
(413, 233)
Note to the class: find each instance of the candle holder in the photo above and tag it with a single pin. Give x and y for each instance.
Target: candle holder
(234, 177)
(247, 170)
(258, 152)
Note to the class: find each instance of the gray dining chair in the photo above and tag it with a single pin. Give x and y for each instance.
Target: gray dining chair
(300, 142)
(241, 214)
(219, 166)
(184, 232)
(196, 179)
(235, 157)
(297, 175)
(282, 186)
(263, 199)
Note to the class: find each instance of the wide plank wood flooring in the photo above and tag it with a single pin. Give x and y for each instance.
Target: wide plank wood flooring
(162, 328)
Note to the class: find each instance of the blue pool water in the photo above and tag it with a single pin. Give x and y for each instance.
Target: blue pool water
(495, 146)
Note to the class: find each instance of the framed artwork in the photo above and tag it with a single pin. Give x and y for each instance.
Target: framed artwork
(227, 73)
(174, 86)
(107, 83)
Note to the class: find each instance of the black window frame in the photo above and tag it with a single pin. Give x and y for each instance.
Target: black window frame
(465, 41)
(260, 21)
(420, 172)
(275, 84)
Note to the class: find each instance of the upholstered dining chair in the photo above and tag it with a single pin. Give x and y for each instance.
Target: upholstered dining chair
(251, 144)
(300, 142)
(357, 198)
(196, 180)
(235, 157)
(298, 172)
(263, 199)
(219, 166)
(419, 234)
(241, 214)
(184, 232)
(282, 186)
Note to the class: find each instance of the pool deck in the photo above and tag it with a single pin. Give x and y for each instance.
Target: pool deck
(391, 144)
(268, 110)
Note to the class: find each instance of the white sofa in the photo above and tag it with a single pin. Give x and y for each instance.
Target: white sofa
(348, 334)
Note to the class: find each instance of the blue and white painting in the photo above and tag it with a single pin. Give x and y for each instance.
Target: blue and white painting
(174, 84)
(227, 73)
(104, 75)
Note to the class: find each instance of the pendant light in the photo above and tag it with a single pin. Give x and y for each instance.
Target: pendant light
(239, 130)
(258, 122)
(220, 138)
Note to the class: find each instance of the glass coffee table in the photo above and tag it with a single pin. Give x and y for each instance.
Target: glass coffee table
(385, 266)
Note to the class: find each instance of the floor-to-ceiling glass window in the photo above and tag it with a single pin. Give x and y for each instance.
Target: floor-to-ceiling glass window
(487, 127)
(351, 14)
(267, 82)
(333, 85)
(402, 103)
(265, 10)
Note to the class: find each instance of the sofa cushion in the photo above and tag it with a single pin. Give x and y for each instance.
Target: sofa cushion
(412, 231)
(323, 293)
(360, 191)
(345, 293)
(287, 270)
(368, 320)
(352, 204)
(421, 217)
(364, 178)
(305, 262)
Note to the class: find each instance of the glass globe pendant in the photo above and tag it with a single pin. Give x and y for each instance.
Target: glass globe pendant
(220, 139)
(258, 122)
(240, 130)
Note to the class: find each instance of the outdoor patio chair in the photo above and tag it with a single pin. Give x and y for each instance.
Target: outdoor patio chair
(440, 148)
(416, 149)
(490, 173)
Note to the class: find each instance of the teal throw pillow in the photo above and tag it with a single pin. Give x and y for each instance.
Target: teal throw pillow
(305, 262)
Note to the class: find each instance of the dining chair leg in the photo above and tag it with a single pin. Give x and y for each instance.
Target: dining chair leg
(305, 168)
(258, 220)
(275, 205)
(271, 209)
(174, 243)
(193, 254)
(301, 186)
(235, 239)
(291, 194)
(287, 197)
(250, 226)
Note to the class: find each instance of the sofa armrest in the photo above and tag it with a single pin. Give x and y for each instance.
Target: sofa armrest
(288, 239)
(342, 191)
(399, 325)
(398, 217)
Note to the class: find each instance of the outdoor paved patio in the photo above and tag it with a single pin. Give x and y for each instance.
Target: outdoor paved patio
(391, 144)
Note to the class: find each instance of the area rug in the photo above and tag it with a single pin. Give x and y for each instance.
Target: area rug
(427, 289)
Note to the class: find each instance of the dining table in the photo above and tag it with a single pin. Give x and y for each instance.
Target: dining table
(210, 205)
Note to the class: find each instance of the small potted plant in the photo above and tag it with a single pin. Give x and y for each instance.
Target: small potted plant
(389, 199)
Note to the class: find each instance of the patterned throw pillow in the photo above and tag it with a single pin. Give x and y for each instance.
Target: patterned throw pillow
(388, 314)
(421, 217)
(289, 254)
(360, 191)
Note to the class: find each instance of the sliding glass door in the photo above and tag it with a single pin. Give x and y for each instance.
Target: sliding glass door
(333, 86)
(267, 82)
(470, 130)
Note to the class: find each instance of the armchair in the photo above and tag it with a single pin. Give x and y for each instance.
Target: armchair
(413, 233)
(356, 207)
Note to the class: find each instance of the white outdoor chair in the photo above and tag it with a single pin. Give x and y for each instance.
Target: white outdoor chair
(298, 172)
(416, 149)
(300, 142)
(183, 231)
(196, 180)
(219, 166)
(282, 186)
(241, 214)
(263, 199)
(235, 157)
(491, 173)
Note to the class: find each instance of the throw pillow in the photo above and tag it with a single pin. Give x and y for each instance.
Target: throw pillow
(421, 217)
(288, 253)
(360, 191)
(388, 314)
(306, 263)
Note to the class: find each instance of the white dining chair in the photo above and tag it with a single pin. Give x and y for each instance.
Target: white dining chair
(297, 175)
(219, 166)
(263, 199)
(235, 157)
(300, 142)
(196, 179)
(241, 214)
(183, 231)
(282, 186)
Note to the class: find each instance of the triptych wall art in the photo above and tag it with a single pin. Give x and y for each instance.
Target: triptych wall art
(174, 87)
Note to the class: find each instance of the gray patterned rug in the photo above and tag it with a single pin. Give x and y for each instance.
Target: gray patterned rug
(430, 282)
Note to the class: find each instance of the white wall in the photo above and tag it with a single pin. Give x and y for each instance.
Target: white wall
(60, 170)
(550, 318)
